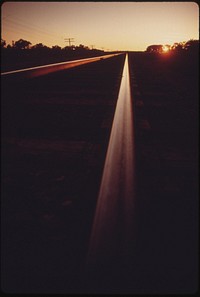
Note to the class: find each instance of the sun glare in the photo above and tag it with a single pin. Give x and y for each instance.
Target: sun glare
(165, 49)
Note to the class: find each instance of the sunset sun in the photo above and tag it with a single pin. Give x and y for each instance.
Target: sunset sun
(165, 49)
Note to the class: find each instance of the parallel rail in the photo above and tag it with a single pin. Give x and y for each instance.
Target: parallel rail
(46, 69)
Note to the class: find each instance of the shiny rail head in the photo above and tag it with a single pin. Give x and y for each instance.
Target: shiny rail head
(113, 224)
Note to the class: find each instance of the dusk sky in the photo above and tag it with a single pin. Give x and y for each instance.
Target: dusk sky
(107, 25)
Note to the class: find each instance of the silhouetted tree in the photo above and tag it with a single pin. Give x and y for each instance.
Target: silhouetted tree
(155, 48)
(39, 46)
(41, 50)
(178, 46)
(56, 48)
(22, 44)
(192, 45)
(3, 43)
(81, 46)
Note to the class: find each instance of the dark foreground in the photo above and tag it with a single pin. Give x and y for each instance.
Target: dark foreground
(55, 131)
(167, 172)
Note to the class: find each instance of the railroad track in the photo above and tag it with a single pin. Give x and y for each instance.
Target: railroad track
(112, 236)
(93, 171)
(55, 135)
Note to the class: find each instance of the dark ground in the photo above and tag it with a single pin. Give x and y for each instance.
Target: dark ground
(167, 172)
(55, 131)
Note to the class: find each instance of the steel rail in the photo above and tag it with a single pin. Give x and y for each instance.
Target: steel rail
(46, 69)
(112, 231)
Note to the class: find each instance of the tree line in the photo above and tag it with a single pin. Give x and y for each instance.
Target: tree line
(23, 54)
(191, 45)
(22, 44)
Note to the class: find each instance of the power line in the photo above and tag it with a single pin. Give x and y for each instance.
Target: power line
(69, 40)
(32, 25)
(31, 28)
(25, 32)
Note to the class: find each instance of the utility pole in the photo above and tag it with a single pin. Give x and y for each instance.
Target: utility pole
(92, 46)
(69, 40)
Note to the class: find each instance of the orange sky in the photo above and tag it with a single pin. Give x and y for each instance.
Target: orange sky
(107, 25)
